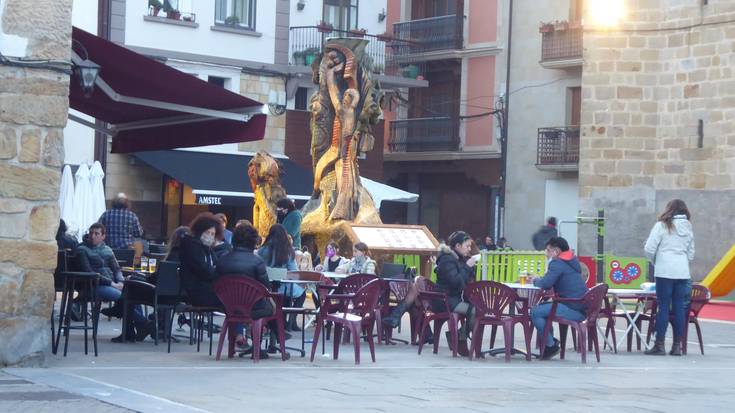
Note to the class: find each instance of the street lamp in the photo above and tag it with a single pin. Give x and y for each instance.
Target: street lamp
(87, 72)
(277, 102)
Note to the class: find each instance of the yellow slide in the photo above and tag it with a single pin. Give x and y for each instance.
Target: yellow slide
(721, 280)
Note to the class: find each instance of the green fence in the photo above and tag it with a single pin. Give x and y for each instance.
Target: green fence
(506, 266)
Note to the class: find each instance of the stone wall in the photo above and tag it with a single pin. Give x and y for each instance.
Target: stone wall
(646, 85)
(257, 87)
(33, 109)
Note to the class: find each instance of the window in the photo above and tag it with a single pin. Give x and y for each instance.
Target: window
(302, 98)
(219, 81)
(238, 13)
(341, 14)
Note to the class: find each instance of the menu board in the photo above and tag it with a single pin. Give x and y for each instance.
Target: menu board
(397, 238)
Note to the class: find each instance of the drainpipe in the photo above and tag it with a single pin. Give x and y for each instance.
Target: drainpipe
(504, 129)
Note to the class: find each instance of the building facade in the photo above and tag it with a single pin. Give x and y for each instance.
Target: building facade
(657, 123)
(442, 141)
(544, 118)
(256, 48)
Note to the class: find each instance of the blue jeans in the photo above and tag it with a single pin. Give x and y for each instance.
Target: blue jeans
(110, 293)
(540, 313)
(671, 297)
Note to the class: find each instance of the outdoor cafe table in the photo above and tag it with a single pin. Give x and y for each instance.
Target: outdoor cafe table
(640, 297)
(528, 293)
(303, 311)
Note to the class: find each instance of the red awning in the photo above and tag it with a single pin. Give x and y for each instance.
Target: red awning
(151, 106)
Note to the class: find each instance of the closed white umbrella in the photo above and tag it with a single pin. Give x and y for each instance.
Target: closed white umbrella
(98, 190)
(66, 198)
(382, 192)
(83, 200)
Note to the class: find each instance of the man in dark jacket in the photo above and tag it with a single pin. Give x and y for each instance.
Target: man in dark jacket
(565, 277)
(544, 234)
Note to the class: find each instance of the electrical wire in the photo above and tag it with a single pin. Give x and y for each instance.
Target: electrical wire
(60, 66)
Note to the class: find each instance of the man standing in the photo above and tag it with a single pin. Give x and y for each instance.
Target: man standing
(290, 218)
(544, 234)
(122, 224)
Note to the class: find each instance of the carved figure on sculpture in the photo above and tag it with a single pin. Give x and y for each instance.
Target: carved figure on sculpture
(265, 179)
(343, 111)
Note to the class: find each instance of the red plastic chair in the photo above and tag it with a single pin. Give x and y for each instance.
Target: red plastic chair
(491, 301)
(239, 294)
(700, 297)
(427, 296)
(360, 315)
(399, 289)
(592, 300)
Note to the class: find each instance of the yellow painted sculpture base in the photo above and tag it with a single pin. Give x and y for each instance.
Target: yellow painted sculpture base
(317, 224)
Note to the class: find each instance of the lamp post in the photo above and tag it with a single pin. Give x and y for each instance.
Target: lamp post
(87, 71)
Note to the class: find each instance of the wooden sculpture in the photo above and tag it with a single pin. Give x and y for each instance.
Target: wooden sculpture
(265, 179)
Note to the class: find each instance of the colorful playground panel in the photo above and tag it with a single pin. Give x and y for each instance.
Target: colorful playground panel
(625, 272)
(721, 280)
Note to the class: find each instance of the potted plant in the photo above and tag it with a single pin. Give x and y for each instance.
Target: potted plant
(298, 58)
(155, 6)
(310, 54)
(232, 21)
(358, 33)
(324, 27)
(171, 12)
(189, 18)
(385, 37)
(411, 71)
(561, 25)
(546, 27)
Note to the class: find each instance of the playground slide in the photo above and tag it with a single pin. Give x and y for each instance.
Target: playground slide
(721, 280)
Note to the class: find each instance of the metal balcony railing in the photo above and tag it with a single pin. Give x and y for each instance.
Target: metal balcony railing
(558, 146)
(424, 135)
(305, 42)
(426, 35)
(561, 45)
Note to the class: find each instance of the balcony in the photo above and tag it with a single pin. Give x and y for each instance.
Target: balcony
(438, 134)
(433, 34)
(561, 46)
(306, 42)
(558, 149)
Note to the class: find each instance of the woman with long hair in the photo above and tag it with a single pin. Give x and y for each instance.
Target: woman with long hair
(670, 246)
(360, 263)
(332, 259)
(277, 252)
(174, 243)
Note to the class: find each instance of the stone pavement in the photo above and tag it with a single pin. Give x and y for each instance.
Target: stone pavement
(142, 377)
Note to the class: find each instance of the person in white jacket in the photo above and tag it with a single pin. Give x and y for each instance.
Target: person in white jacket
(670, 247)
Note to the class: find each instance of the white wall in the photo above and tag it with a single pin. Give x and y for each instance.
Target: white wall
(367, 14)
(562, 202)
(203, 40)
(79, 139)
(84, 15)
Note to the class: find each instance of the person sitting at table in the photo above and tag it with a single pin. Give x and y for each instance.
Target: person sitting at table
(278, 253)
(454, 270)
(394, 318)
(333, 259)
(242, 261)
(174, 244)
(198, 262)
(63, 240)
(361, 263)
(303, 260)
(94, 256)
(564, 276)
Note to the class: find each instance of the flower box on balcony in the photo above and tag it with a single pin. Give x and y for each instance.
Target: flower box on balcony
(324, 27)
(155, 6)
(561, 25)
(546, 28)
(358, 33)
(385, 37)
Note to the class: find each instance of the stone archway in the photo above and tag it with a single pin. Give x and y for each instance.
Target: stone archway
(33, 113)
